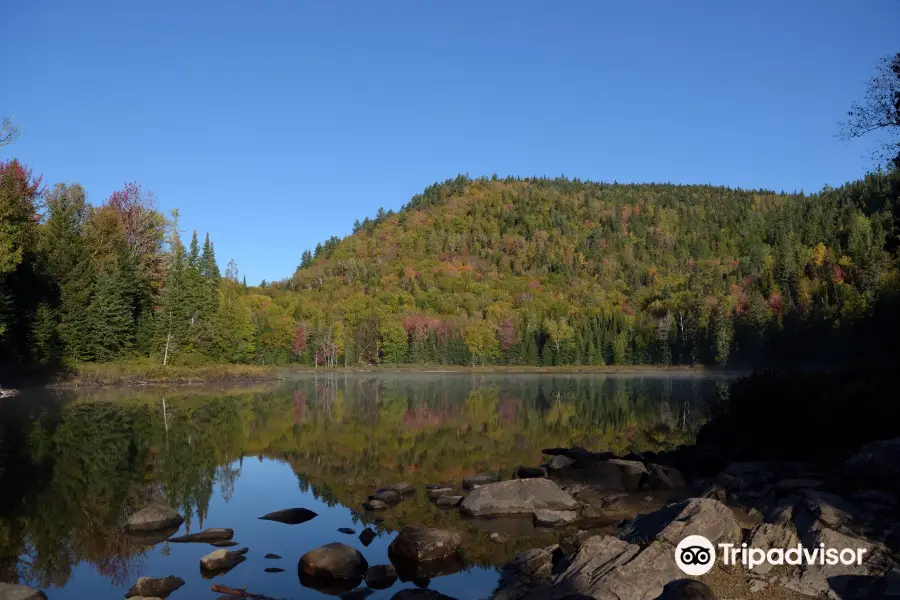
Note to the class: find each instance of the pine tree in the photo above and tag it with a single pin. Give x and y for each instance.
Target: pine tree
(110, 321)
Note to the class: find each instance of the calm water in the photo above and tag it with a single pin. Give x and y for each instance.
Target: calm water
(73, 465)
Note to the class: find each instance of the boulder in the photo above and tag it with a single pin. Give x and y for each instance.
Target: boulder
(449, 501)
(876, 465)
(290, 516)
(664, 478)
(381, 577)
(571, 544)
(334, 566)
(373, 505)
(559, 462)
(367, 536)
(12, 591)
(402, 488)
(472, 481)
(154, 518)
(155, 587)
(695, 516)
(602, 475)
(223, 560)
(772, 535)
(554, 518)
(523, 472)
(527, 571)
(420, 544)
(387, 496)
(207, 535)
(271, 556)
(634, 473)
(435, 493)
(517, 497)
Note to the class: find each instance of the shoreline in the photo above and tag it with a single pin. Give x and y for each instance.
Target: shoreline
(124, 374)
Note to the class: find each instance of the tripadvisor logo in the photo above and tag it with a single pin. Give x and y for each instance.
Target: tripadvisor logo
(695, 555)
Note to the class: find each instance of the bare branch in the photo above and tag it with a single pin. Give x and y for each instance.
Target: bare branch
(8, 131)
(879, 110)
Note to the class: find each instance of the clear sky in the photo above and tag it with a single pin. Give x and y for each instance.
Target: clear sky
(273, 124)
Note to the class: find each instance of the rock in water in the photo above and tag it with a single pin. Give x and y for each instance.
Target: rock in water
(346, 530)
(274, 570)
(333, 563)
(155, 587)
(386, 496)
(221, 560)
(271, 556)
(473, 481)
(376, 505)
(554, 518)
(207, 535)
(402, 488)
(154, 518)
(12, 591)
(516, 497)
(687, 589)
(367, 536)
(421, 544)
(435, 493)
(381, 577)
(290, 516)
(449, 501)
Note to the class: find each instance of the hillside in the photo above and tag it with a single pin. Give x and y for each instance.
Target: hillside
(538, 271)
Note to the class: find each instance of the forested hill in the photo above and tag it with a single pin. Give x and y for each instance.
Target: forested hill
(541, 271)
(512, 272)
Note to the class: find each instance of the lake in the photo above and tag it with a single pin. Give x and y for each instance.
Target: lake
(75, 463)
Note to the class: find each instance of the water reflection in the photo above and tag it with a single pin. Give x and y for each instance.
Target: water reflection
(74, 465)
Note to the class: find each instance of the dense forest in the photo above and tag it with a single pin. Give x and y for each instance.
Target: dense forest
(472, 271)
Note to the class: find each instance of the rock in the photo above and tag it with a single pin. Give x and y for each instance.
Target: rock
(419, 544)
(634, 473)
(877, 465)
(347, 530)
(499, 538)
(387, 496)
(273, 570)
(449, 501)
(529, 570)
(154, 518)
(554, 518)
(419, 594)
(223, 544)
(155, 587)
(290, 516)
(12, 591)
(435, 493)
(695, 516)
(599, 475)
(607, 567)
(402, 488)
(771, 535)
(524, 472)
(376, 505)
(571, 544)
(472, 481)
(271, 556)
(559, 462)
(831, 509)
(222, 560)
(367, 536)
(664, 478)
(151, 538)
(516, 497)
(334, 566)
(207, 535)
(420, 572)
(381, 577)
(687, 589)
(358, 594)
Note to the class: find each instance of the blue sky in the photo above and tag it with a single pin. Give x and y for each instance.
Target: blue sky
(274, 124)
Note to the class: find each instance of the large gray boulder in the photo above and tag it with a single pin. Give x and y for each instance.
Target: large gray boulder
(12, 591)
(634, 473)
(517, 497)
(877, 465)
(694, 516)
(421, 544)
(155, 587)
(154, 518)
(334, 562)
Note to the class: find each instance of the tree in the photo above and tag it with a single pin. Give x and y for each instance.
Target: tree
(19, 193)
(8, 131)
(879, 111)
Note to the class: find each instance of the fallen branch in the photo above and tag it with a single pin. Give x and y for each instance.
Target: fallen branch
(239, 593)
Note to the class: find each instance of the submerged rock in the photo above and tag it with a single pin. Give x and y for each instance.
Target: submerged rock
(334, 567)
(155, 587)
(290, 516)
(517, 497)
(421, 544)
(207, 535)
(381, 577)
(154, 518)
(12, 591)
(554, 518)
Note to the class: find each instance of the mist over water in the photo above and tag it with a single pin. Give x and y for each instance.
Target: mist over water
(75, 464)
